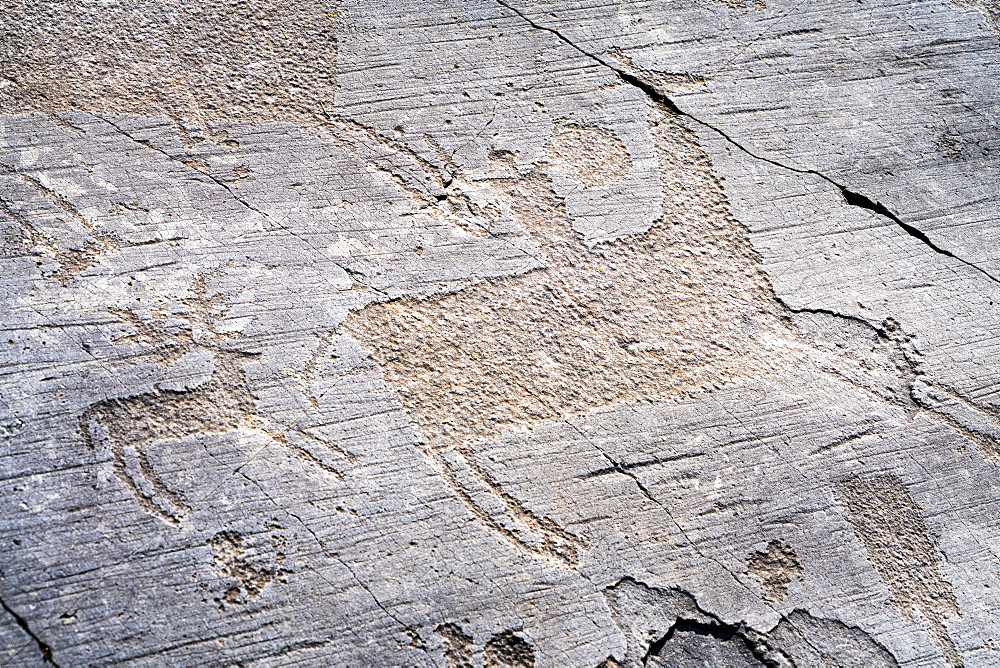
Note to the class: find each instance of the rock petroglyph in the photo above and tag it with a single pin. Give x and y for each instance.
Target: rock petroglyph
(667, 311)
(497, 333)
(674, 308)
(211, 397)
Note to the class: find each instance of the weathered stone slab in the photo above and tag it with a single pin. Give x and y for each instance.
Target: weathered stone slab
(499, 334)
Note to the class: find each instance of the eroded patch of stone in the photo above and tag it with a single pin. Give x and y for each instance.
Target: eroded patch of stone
(457, 646)
(232, 559)
(775, 569)
(891, 527)
(507, 650)
(589, 155)
(187, 62)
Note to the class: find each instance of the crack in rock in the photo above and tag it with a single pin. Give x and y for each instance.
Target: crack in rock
(45, 650)
(667, 627)
(656, 95)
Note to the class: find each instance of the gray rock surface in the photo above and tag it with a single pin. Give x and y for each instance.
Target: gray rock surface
(497, 333)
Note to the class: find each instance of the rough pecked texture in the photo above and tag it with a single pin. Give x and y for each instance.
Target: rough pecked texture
(500, 333)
